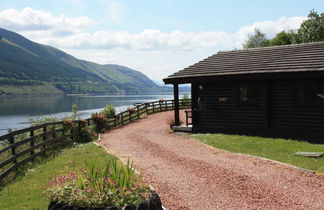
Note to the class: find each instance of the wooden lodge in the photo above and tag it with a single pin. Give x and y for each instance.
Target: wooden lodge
(272, 91)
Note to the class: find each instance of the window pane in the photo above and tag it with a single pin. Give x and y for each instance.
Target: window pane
(307, 92)
(248, 93)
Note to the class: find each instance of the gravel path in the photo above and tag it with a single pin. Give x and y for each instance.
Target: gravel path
(190, 175)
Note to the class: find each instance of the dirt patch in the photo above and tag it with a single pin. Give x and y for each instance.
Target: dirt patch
(190, 175)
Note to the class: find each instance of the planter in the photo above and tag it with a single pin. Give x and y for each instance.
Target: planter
(153, 203)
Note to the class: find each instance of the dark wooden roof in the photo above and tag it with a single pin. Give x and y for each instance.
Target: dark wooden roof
(288, 58)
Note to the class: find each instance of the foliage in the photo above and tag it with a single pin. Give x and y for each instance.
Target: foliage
(85, 133)
(273, 148)
(26, 191)
(257, 39)
(312, 29)
(39, 119)
(185, 96)
(109, 111)
(184, 100)
(131, 110)
(100, 122)
(74, 111)
(282, 38)
(115, 185)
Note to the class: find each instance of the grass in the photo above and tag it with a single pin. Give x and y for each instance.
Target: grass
(276, 149)
(27, 192)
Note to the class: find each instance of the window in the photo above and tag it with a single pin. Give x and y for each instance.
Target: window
(248, 93)
(306, 92)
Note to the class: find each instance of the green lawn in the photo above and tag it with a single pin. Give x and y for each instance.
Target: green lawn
(276, 149)
(26, 192)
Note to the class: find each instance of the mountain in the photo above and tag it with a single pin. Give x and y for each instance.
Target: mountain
(27, 67)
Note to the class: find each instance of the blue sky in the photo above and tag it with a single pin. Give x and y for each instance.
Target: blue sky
(155, 37)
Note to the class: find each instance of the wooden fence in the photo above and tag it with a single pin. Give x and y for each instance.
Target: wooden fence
(21, 146)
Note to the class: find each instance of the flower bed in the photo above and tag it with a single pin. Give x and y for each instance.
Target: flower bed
(114, 187)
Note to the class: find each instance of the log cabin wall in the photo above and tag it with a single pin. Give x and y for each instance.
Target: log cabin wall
(294, 120)
(275, 114)
(220, 110)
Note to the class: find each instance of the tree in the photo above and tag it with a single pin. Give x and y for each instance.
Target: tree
(283, 38)
(312, 29)
(257, 39)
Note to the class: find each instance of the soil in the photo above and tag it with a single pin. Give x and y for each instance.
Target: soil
(188, 174)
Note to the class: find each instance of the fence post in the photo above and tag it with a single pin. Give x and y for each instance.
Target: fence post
(146, 108)
(53, 135)
(32, 142)
(153, 107)
(122, 119)
(63, 132)
(13, 149)
(44, 139)
(130, 116)
(137, 111)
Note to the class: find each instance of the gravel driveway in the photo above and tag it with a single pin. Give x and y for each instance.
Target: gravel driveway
(188, 174)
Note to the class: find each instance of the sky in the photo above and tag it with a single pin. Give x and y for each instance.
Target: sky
(155, 37)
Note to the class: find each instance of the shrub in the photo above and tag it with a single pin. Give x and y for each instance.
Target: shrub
(100, 122)
(68, 124)
(74, 112)
(131, 110)
(85, 134)
(109, 111)
(115, 185)
(184, 100)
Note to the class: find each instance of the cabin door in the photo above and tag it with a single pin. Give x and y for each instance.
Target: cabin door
(197, 104)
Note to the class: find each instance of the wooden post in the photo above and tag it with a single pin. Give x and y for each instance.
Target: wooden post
(54, 135)
(146, 109)
(122, 119)
(137, 111)
(13, 149)
(153, 107)
(32, 142)
(176, 104)
(130, 116)
(44, 139)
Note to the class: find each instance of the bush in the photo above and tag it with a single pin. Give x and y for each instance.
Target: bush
(109, 111)
(115, 185)
(100, 122)
(131, 110)
(184, 100)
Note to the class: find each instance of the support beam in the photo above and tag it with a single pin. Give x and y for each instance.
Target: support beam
(176, 104)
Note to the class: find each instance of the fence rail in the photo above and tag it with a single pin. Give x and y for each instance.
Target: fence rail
(24, 145)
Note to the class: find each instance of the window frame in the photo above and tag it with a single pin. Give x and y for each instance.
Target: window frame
(315, 102)
(249, 102)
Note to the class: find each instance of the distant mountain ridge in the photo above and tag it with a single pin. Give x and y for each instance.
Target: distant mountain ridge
(27, 67)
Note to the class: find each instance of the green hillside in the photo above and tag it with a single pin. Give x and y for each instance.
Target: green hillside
(27, 67)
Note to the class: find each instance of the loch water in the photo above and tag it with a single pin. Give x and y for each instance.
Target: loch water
(17, 112)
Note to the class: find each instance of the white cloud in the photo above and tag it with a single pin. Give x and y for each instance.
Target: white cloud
(29, 19)
(270, 28)
(154, 52)
(156, 40)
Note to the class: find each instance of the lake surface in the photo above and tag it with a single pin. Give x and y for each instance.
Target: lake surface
(16, 112)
